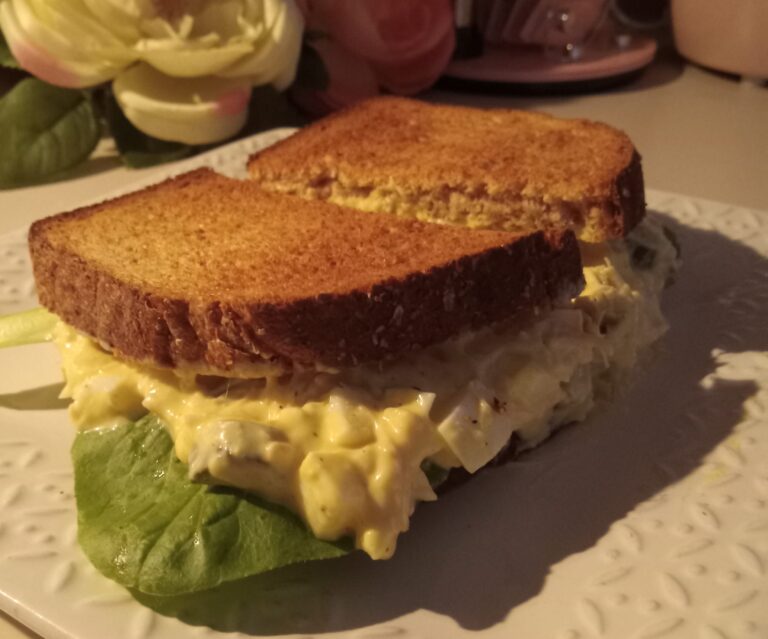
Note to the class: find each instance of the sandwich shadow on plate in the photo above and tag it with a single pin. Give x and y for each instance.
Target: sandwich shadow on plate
(40, 398)
(487, 547)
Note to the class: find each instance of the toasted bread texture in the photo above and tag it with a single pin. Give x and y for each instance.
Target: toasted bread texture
(217, 275)
(500, 169)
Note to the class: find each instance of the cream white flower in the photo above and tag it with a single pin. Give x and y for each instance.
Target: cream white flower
(181, 69)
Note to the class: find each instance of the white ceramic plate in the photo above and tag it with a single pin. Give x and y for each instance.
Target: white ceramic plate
(649, 520)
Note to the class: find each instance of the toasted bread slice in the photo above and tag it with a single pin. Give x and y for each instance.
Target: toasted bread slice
(217, 275)
(501, 169)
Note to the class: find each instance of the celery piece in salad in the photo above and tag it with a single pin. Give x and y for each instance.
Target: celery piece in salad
(28, 327)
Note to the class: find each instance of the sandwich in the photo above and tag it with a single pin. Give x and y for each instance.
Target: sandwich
(259, 379)
(278, 370)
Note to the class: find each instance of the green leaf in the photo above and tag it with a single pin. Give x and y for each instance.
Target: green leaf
(27, 327)
(46, 129)
(311, 74)
(6, 57)
(292, 600)
(137, 149)
(145, 525)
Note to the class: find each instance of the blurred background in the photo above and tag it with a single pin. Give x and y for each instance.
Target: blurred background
(681, 77)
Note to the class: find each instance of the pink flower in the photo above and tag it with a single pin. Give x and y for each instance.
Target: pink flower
(403, 44)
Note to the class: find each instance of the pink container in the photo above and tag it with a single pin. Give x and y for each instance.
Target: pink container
(727, 35)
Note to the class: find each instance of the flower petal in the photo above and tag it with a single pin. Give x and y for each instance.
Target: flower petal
(122, 16)
(276, 56)
(32, 58)
(190, 62)
(412, 75)
(193, 111)
(86, 56)
(385, 32)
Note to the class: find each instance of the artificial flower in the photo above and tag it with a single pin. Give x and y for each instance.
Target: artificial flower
(404, 45)
(181, 70)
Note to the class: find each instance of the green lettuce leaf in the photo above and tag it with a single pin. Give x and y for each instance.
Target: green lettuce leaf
(292, 600)
(27, 327)
(146, 526)
(46, 129)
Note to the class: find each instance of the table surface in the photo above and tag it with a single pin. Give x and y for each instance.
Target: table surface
(700, 133)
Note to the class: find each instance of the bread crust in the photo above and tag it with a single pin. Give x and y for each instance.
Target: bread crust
(496, 168)
(628, 196)
(491, 277)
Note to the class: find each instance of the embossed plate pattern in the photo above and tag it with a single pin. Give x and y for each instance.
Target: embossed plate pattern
(649, 520)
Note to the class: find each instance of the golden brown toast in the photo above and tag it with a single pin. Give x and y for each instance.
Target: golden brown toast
(217, 275)
(502, 169)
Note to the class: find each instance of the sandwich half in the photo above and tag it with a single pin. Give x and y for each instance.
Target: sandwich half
(505, 170)
(314, 361)
(497, 168)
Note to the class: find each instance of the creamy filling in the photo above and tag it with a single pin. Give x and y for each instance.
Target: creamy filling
(346, 450)
(499, 210)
